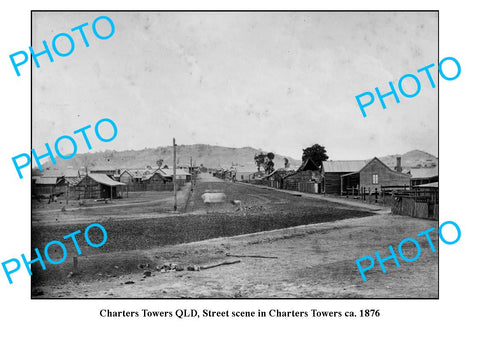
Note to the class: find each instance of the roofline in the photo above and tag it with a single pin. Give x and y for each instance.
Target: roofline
(385, 165)
(370, 161)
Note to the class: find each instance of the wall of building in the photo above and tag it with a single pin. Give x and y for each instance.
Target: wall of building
(294, 181)
(91, 189)
(386, 176)
(126, 178)
(331, 184)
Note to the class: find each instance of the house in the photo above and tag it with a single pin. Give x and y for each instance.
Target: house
(332, 172)
(56, 182)
(126, 177)
(256, 175)
(44, 186)
(156, 177)
(372, 176)
(182, 175)
(157, 182)
(423, 176)
(98, 185)
(245, 172)
(305, 179)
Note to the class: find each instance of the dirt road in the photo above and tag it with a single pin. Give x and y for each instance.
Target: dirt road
(314, 261)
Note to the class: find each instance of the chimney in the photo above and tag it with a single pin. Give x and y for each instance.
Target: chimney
(398, 168)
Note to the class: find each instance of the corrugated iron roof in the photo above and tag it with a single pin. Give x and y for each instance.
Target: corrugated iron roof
(169, 172)
(46, 181)
(147, 177)
(104, 179)
(424, 172)
(344, 166)
(428, 185)
(73, 181)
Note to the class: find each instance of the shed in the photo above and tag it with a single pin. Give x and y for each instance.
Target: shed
(332, 172)
(423, 176)
(305, 179)
(182, 175)
(44, 186)
(245, 172)
(95, 185)
(156, 177)
(373, 176)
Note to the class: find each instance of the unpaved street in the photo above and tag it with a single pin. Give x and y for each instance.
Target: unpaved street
(316, 261)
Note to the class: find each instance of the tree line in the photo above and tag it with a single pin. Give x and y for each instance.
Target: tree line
(317, 153)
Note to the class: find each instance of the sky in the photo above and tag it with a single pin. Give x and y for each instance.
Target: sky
(277, 81)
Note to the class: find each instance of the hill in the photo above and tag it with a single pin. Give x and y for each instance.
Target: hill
(211, 156)
(412, 159)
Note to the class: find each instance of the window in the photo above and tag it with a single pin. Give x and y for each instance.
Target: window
(375, 178)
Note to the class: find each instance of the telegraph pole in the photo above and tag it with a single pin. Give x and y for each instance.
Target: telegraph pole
(192, 179)
(174, 175)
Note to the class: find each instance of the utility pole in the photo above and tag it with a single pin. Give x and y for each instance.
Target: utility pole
(192, 179)
(174, 175)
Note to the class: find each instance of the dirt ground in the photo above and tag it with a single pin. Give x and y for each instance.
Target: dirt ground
(137, 205)
(313, 260)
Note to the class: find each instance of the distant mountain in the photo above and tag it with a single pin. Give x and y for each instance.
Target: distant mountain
(412, 159)
(211, 156)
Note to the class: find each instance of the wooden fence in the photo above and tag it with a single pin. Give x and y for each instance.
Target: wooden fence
(309, 187)
(155, 186)
(418, 202)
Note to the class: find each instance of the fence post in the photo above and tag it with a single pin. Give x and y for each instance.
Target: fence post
(75, 265)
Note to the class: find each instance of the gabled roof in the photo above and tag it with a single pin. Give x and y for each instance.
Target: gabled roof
(158, 172)
(308, 165)
(343, 166)
(127, 172)
(368, 163)
(104, 179)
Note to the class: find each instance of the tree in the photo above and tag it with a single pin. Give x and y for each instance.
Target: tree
(316, 153)
(287, 162)
(259, 159)
(159, 163)
(265, 160)
(269, 165)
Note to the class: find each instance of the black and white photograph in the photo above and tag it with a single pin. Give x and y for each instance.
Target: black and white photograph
(223, 154)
